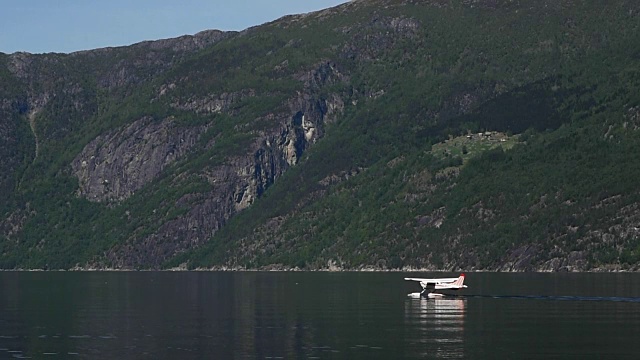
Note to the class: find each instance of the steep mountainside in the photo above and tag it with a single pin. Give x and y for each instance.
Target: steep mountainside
(486, 134)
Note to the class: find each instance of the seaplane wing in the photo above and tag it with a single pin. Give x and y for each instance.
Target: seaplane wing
(441, 283)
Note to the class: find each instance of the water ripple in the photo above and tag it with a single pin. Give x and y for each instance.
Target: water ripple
(556, 297)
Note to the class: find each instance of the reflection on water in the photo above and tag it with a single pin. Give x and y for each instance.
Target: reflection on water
(437, 326)
(147, 315)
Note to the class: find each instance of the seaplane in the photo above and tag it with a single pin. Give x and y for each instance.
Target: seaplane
(430, 286)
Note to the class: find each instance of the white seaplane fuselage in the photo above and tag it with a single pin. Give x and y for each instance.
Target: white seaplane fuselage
(430, 286)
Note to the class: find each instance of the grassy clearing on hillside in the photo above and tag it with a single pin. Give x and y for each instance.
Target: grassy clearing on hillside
(471, 145)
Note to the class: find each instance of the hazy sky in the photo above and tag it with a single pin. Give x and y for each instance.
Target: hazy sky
(39, 26)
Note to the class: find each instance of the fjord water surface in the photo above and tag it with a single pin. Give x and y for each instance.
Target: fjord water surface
(299, 315)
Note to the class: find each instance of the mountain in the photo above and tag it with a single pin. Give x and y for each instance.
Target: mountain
(379, 134)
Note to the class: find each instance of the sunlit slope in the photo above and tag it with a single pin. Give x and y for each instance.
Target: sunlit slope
(385, 134)
(376, 193)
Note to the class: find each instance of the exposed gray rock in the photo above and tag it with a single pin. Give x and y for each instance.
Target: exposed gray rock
(139, 62)
(14, 222)
(188, 43)
(116, 164)
(211, 104)
(370, 41)
(235, 185)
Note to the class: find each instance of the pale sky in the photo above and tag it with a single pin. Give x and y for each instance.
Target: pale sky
(39, 26)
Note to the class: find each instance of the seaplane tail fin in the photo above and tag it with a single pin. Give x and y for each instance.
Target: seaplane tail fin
(460, 281)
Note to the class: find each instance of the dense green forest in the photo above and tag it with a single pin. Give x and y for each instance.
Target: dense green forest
(382, 134)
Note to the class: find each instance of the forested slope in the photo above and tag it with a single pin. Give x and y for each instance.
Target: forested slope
(496, 135)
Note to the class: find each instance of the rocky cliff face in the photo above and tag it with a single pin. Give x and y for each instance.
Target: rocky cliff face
(53, 81)
(115, 165)
(118, 163)
(141, 62)
(235, 185)
(47, 98)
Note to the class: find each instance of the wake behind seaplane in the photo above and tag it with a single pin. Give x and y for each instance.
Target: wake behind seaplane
(429, 286)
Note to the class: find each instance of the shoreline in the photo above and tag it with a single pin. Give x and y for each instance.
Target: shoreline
(326, 270)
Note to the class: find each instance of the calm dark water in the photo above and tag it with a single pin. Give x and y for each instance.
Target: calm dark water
(214, 315)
